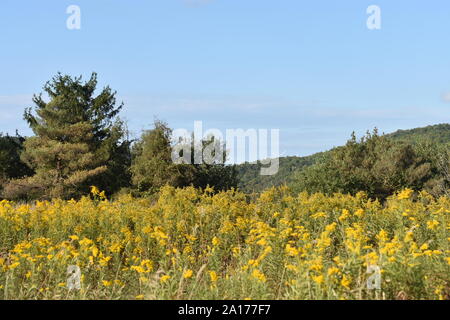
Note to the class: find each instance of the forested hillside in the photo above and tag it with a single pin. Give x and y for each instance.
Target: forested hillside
(439, 133)
(250, 180)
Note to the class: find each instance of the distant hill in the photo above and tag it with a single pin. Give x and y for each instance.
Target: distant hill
(439, 133)
(250, 179)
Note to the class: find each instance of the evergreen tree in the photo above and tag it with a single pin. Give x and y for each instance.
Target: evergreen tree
(77, 136)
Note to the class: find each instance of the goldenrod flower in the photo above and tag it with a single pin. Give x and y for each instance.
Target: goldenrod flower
(432, 225)
(95, 191)
(213, 276)
(259, 275)
(405, 194)
(318, 279)
(188, 274)
(345, 282)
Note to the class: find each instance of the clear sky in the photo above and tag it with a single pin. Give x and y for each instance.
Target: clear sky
(309, 68)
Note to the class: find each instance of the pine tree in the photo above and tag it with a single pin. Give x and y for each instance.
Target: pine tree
(76, 134)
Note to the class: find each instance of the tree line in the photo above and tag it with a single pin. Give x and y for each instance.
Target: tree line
(380, 166)
(80, 141)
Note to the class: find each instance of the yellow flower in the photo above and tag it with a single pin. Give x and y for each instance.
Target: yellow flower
(164, 278)
(290, 251)
(118, 282)
(14, 265)
(333, 270)
(262, 242)
(215, 241)
(94, 251)
(104, 261)
(213, 276)
(372, 258)
(432, 224)
(428, 253)
(259, 275)
(345, 282)
(140, 297)
(188, 274)
(291, 267)
(318, 215)
(409, 236)
(405, 194)
(94, 190)
(138, 269)
(359, 213)
(318, 279)
(345, 214)
(107, 283)
(115, 247)
(382, 236)
(331, 227)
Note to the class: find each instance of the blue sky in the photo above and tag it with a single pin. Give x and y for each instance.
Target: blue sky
(310, 68)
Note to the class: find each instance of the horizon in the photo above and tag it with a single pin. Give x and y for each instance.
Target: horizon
(313, 70)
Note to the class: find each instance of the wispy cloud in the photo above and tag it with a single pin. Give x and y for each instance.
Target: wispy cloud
(306, 126)
(15, 100)
(446, 96)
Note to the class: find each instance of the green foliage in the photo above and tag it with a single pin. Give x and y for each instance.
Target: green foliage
(376, 164)
(250, 178)
(439, 134)
(212, 172)
(431, 143)
(79, 141)
(153, 167)
(78, 138)
(11, 167)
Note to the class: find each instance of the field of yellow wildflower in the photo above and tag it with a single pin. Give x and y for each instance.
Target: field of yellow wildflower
(193, 244)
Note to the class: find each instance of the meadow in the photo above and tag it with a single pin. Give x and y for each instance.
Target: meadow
(197, 244)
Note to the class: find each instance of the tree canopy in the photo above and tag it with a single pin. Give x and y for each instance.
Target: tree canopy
(77, 135)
